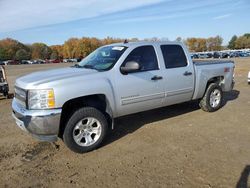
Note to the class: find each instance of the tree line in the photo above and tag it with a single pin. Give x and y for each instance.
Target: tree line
(215, 43)
(204, 44)
(11, 49)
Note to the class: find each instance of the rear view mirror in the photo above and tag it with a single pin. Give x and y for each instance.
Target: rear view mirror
(129, 67)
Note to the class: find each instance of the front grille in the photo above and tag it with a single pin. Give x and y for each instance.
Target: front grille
(20, 95)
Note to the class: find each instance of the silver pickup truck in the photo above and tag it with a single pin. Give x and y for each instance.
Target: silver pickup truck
(79, 103)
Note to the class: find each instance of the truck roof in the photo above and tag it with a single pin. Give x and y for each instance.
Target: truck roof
(143, 43)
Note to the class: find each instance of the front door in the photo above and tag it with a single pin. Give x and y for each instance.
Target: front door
(141, 90)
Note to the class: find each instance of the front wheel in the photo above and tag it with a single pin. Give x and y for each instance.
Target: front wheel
(212, 100)
(85, 130)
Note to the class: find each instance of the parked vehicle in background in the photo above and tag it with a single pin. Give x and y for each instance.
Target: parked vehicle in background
(79, 59)
(47, 61)
(80, 103)
(66, 61)
(13, 62)
(244, 54)
(55, 61)
(225, 55)
(248, 80)
(23, 62)
(216, 55)
(203, 56)
(4, 87)
(194, 56)
(75, 60)
(6, 62)
(209, 55)
(38, 61)
(233, 54)
(26, 62)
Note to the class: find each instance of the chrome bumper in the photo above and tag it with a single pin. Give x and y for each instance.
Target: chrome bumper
(42, 124)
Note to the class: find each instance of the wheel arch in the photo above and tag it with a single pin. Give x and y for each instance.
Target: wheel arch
(98, 101)
(203, 83)
(217, 80)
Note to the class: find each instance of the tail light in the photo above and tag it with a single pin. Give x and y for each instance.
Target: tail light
(226, 69)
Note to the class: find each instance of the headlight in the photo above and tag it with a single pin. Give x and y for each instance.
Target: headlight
(41, 99)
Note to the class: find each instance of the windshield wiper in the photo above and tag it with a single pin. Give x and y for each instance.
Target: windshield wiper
(85, 66)
(88, 67)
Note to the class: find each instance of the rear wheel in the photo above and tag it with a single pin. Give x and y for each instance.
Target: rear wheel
(212, 99)
(85, 130)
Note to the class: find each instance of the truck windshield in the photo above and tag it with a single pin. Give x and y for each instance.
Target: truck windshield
(103, 58)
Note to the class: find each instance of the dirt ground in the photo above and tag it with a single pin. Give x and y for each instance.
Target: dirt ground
(176, 146)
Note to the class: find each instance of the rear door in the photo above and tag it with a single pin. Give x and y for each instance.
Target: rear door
(179, 74)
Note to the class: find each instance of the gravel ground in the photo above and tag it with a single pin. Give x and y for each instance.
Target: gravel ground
(176, 146)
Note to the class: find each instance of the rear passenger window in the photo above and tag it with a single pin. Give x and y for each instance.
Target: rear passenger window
(174, 56)
(145, 56)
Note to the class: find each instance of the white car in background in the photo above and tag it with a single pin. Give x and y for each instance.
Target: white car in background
(248, 80)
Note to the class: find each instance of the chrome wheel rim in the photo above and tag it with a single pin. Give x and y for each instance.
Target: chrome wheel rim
(87, 131)
(215, 98)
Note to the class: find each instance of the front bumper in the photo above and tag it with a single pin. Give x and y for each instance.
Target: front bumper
(41, 124)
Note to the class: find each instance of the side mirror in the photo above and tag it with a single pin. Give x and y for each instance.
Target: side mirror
(129, 67)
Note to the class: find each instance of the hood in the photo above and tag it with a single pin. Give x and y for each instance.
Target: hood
(44, 77)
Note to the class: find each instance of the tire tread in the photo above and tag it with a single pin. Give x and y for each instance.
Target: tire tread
(204, 102)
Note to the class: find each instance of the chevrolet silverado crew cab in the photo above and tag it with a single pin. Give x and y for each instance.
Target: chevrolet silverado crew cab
(79, 103)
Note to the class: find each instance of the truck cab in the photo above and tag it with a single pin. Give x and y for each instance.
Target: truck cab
(154, 84)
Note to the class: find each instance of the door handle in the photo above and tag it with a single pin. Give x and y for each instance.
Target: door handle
(156, 77)
(187, 73)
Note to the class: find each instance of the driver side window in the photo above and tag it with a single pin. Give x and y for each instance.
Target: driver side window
(145, 56)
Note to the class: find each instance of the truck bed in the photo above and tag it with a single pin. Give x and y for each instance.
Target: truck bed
(211, 69)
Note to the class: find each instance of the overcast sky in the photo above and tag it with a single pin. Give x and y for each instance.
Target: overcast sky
(54, 21)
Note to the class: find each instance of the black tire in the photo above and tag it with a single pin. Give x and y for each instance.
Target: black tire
(6, 94)
(79, 115)
(205, 101)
